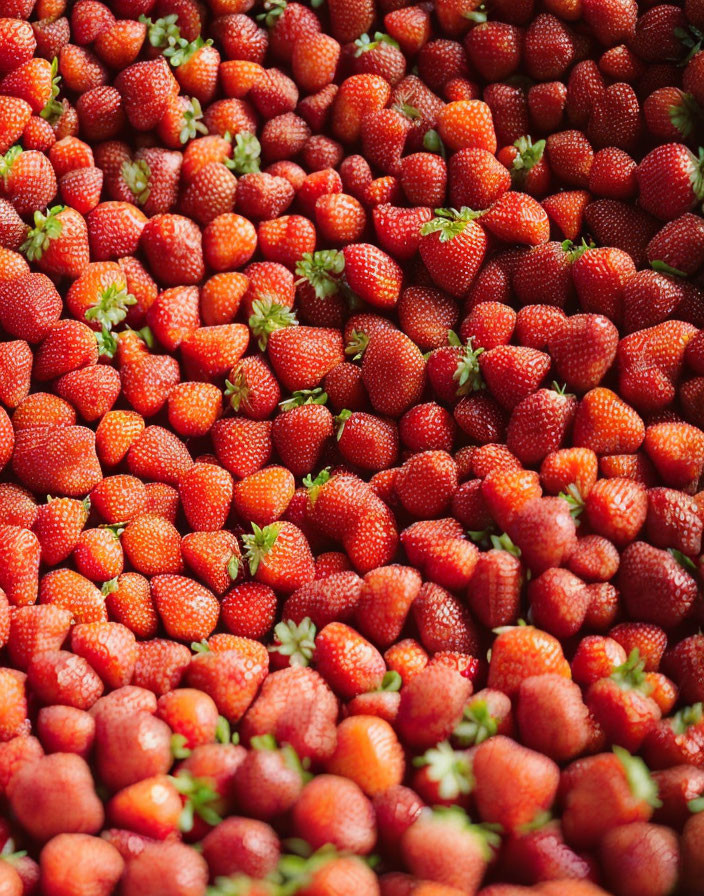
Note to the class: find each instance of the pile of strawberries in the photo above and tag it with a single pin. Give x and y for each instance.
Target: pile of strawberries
(352, 448)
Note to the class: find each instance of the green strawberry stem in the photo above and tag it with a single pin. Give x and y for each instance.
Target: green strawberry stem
(136, 175)
(8, 160)
(267, 316)
(686, 717)
(449, 222)
(643, 787)
(684, 561)
(467, 374)
(296, 641)
(663, 268)
(233, 567)
(246, 153)
(47, 227)
(111, 307)
(180, 51)
(304, 396)
(432, 142)
(504, 543)
(109, 586)
(574, 498)
(191, 121)
(686, 114)
(529, 154)
(322, 271)
(450, 769)
(631, 675)
(107, 342)
(356, 344)
(53, 109)
(391, 682)
(263, 742)
(340, 421)
(476, 726)
(200, 800)
(273, 10)
(364, 43)
(314, 484)
(259, 543)
(162, 32)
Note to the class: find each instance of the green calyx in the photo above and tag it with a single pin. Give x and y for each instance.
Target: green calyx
(246, 153)
(179, 747)
(53, 109)
(273, 10)
(687, 564)
(686, 717)
(111, 307)
(411, 112)
(47, 227)
(478, 16)
(235, 885)
(529, 154)
(450, 769)
(233, 567)
(224, 733)
(109, 587)
(476, 726)
(304, 396)
(488, 835)
(200, 646)
(432, 142)
(696, 805)
(574, 498)
(237, 391)
(191, 121)
(642, 785)
(467, 374)
(575, 252)
(267, 316)
(685, 115)
(163, 32)
(136, 175)
(259, 543)
(449, 222)
(365, 43)
(340, 421)
(322, 271)
(180, 51)
(691, 39)
(315, 483)
(357, 344)
(630, 675)
(391, 683)
(107, 342)
(8, 160)
(295, 640)
(200, 800)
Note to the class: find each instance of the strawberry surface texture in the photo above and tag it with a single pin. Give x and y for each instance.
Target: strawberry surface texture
(351, 448)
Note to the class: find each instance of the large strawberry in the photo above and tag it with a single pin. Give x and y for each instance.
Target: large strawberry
(453, 246)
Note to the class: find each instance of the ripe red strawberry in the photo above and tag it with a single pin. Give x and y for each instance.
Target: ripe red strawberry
(452, 247)
(58, 242)
(393, 354)
(178, 239)
(654, 586)
(279, 556)
(513, 372)
(28, 180)
(301, 356)
(14, 115)
(539, 424)
(672, 164)
(468, 848)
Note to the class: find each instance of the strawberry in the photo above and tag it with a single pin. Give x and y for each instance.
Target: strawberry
(146, 88)
(279, 556)
(287, 696)
(513, 372)
(128, 601)
(301, 356)
(469, 848)
(393, 350)
(671, 590)
(14, 115)
(242, 446)
(426, 482)
(77, 856)
(188, 611)
(58, 241)
(385, 600)
(320, 602)
(539, 424)
(165, 863)
(179, 239)
(672, 521)
(677, 244)
(348, 662)
(678, 166)
(677, 450)
(28, 179)
(621, 846)
(606, 424)
(45, 783)
(152, 545)
(552, 716)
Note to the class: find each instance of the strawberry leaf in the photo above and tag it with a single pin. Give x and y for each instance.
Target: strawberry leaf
(111, 307)
(259, 543)
(643, 787)
(296, 641)
(267, 316)
(136, 175)
(449, 222)
(322, 271)
(47, 227)
(191, 121)
(663, 268)
(467, 374)
(476, 726)
(245, 154)
(304, 396)
(163, 32)
(450, 769)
